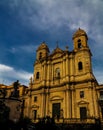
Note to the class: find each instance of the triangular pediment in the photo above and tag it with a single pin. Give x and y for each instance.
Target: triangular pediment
(57, 53)
(35, 106)
(82, 102)
(57, 50)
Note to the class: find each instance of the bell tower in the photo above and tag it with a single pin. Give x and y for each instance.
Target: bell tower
(40, 64)
(82, 53)
(42, 51)
(80, 39)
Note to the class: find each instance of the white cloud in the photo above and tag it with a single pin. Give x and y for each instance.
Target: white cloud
(5, 68)
(98, 76)
(9, 74)
(30, 48)
(49, 14)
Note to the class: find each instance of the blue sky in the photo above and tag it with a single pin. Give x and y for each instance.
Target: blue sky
(24, 24)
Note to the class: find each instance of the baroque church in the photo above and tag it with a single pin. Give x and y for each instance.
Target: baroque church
(63, 85)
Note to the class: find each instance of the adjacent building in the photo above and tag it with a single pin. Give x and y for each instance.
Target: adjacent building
(12, 99)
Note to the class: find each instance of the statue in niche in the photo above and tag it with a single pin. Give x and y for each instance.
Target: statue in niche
(15, 93)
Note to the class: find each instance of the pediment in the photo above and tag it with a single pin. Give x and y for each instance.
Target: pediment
(56, 98)
(58, 50)
(82, 102)
(35, 106)
(57, 53)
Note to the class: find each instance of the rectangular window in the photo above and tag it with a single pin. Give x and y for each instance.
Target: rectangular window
(83, 113)
(35, 98)
(101, 93)
(56, 110)
(81, 94)
(35, 114)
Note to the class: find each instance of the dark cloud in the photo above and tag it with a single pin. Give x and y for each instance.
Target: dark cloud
(26, 23)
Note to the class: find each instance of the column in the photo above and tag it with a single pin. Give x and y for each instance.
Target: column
(52, 73)
(43, 107)
(73, 104)
(64, 106)
(68, 105)
(47, 102)
(63, 70)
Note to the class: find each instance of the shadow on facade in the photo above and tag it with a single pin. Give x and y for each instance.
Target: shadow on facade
(50, 124)
(47, 123)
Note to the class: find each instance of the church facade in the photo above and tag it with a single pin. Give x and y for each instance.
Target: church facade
(63, 83)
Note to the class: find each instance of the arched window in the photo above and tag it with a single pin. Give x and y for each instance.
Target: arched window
(57, 73)
(40, 55)
(37, 75)
(80, 66)
(79, 43)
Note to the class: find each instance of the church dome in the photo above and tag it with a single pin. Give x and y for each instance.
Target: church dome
(79, 32)
(43, 46)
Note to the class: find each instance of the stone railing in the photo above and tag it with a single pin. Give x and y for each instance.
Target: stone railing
(75, 120)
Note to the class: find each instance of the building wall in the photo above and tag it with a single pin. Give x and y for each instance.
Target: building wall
(15, 104)
(63, 84)
(60, 78)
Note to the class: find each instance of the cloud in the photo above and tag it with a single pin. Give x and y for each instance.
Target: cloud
(22, 49)
(99, 76)
(53, 14)
(5, 68)
(10, 74)
(50, 15)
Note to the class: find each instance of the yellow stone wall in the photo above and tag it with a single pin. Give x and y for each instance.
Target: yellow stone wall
(15, 104)
(61, 81)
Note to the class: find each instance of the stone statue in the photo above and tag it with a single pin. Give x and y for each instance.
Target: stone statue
(16, 84)
(15, 93)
